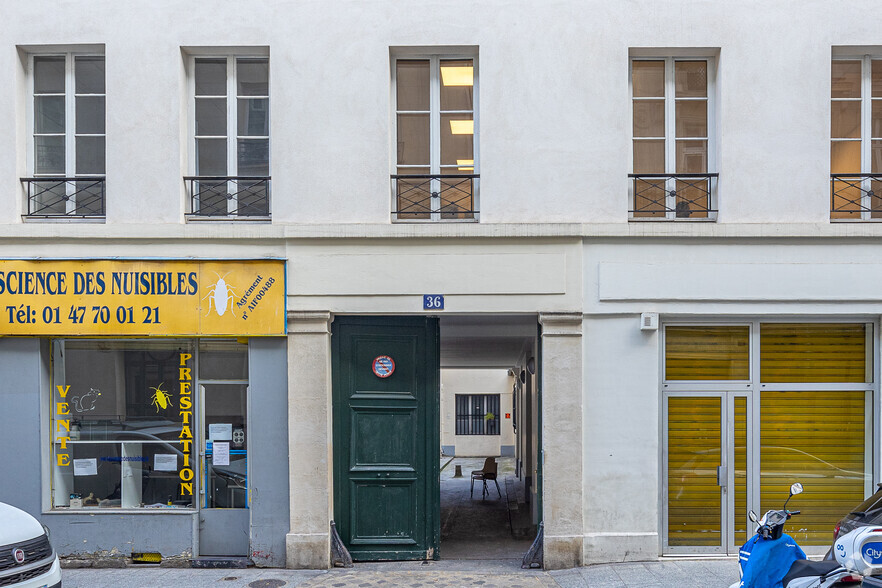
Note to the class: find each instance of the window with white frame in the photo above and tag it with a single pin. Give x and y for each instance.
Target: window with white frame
(230, 137)
(672, 113)
(856, 138)
(435, 177)
(66, 155)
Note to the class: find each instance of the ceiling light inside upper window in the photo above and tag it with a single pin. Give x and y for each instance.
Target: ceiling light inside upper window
(457, 76)
(462, 127)
(468, 163)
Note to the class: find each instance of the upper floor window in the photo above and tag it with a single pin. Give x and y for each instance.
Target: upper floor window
(856, 138)
(230, 137)
(435, 175)
(672, 106)
(67, 136)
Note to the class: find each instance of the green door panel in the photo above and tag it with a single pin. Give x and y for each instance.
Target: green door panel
(386, 437)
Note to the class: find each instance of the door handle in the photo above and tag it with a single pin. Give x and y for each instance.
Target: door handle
(722, 476)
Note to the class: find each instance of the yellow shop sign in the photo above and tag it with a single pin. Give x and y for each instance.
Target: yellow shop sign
(117, 298)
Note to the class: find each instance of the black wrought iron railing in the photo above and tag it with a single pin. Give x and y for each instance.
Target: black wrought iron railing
(855, 196)
(673, 196)
(435, 197)
(82, 196)
(228, 196)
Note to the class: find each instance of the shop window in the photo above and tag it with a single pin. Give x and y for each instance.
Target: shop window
(819, 352)
(436, 175)
(477, 414)
(707, 352)
(123, 424)
(126, 424)
(230, 138)
(66, 155)
(672, 112)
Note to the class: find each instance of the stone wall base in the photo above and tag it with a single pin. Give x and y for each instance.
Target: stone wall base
(617, 547)
(308, 551)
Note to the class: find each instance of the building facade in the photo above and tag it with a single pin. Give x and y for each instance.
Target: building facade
(660, 218)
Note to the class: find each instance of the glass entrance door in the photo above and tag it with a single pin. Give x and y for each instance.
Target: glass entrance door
(706, 465)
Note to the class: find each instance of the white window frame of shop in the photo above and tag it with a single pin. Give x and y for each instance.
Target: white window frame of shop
(872, 443)
(435, 55)
(70, 133)
(671, 137)
(866, 129)
(232, 97)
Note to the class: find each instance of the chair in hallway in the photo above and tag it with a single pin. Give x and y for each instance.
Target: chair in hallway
(488, 472)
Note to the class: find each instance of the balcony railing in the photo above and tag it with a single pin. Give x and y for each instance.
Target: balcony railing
(78, 197)
(855, 196)
(239, 197)
(435, 197)
(673, 197)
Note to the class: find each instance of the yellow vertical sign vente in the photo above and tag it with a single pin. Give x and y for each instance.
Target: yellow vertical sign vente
(142, 297)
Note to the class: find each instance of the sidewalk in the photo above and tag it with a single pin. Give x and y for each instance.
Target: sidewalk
(704, 573)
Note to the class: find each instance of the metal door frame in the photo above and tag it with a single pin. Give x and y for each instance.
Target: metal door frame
(727, 458)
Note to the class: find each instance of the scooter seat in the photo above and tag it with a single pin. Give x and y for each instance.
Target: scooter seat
(804, 567)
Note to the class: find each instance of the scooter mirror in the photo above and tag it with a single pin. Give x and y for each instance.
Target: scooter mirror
(752, 516)
(796, 488)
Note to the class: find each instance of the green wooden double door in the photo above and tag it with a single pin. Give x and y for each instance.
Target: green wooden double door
(386, 383)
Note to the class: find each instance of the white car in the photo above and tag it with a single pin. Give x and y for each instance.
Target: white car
(27, 559)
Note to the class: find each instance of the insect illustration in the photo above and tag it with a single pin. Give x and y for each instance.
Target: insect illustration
(161, 398)
(221, 294)
(85, 402)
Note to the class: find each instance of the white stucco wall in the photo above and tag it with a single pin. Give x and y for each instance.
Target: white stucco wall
(554, 137)
(476, 381)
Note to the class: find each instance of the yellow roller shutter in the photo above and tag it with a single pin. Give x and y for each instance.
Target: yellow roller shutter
(707, 353)
(819, 352)
(816, 438)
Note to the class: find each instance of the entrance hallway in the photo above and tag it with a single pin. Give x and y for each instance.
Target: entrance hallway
(476, 528)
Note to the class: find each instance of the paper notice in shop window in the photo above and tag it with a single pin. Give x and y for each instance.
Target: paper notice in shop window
(220, 431)
(165, 462)
(85, 467)
(221, 453)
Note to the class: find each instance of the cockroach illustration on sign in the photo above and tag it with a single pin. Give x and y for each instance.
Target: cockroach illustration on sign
(221, 295)
(161, 398)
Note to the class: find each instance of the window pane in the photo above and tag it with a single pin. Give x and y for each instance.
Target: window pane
(253, 157)
(707, 353)
(413, 139)
(456, 195)
(845, 157)
(648, 79)
(649, 157)
(226, 405)
(649, 118)
(691, 118)
(89, 74)
(809, 445)
(846, 79)
(693, 198)
(90, 155)
(814, 353)
(252, 117)
(457, 85)
(876, 78)
(691, 157)
(412, 81)
(457, 138)
(413, 194)
(252, 77)
(211, 116)
(876, 119)
(90, 115)
(690, 79)
(211, 77)
(211, 157)
(49, 75)
(223, 360)
(48, 114)
(876, 156)
(649, 197)
(845, 119)
(49, 155)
